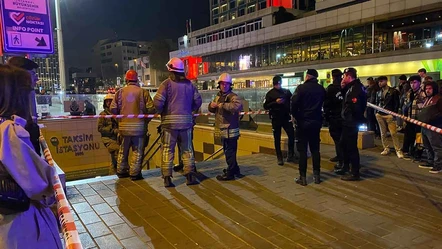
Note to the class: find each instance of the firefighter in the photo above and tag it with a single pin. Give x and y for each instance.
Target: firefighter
(176, 99)
(132, 99)
(226, 107)
(278, 103)
(108, 127)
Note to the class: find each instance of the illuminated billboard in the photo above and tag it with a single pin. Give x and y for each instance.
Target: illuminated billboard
(277, 3)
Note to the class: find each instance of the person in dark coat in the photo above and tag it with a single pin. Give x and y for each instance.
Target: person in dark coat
(332, 113)
(278, 103)
(372, 123)
(353, 109)
(307, 105)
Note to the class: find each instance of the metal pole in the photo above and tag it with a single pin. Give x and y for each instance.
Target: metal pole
(372, 38)
(60, 47)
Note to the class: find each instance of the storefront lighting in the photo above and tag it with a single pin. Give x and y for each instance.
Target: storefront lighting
(439, 36)
(278, 55)
(428, 45)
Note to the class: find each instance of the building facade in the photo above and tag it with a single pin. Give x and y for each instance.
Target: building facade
(224, 10)
(147, 76)
(111, 57)
(49, 69)
(378, 37)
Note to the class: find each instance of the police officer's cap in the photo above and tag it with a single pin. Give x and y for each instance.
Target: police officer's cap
(312, 72)
(277, 80)
(351, 71)
(22, 62)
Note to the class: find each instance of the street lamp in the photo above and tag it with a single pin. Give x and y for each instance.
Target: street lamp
(61, 62)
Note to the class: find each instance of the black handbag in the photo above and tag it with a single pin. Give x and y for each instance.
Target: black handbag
(13, 198)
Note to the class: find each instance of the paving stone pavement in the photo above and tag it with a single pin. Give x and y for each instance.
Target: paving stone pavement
(396, 205)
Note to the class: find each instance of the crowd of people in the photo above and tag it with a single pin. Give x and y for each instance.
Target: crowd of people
(26, 198)
(417, 97)
(177, 100)
(343, 105)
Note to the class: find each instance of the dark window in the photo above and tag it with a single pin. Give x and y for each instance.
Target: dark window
(232, 4)
(263, 5)
(241, 12)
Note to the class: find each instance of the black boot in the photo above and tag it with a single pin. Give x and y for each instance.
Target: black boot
(225, 177)
(291, 158)
(191, 179)
(301, 180)
(317, 177)
(237, 173)
(338, 166)
(334, 159)
(342, 171)
(351, 178)
(137, 177)
(178, 168)
(280, 159)
(168, 182)
(123, 175)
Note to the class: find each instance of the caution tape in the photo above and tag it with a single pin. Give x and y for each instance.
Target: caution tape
(70, 233)
(144, 116)
(410, 120)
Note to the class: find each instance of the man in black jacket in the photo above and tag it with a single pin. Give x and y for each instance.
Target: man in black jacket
(307, 105)
(388, 98)
(278, 103)
(353, 109)
(332, 113)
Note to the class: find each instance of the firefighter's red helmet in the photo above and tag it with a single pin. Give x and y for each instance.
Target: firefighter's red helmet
(132, 76)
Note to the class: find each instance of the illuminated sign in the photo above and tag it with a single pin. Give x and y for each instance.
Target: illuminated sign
(244, 62)
(26, 26)
(277, 3)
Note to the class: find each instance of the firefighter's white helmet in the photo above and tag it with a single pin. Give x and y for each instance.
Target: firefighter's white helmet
(175, 65)
(225, 77)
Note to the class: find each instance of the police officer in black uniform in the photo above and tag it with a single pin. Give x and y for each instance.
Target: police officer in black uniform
(353, 109)
(278, 103)
(332, 113)
(307, 103)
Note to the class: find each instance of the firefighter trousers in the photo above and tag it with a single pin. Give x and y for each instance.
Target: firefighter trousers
(137, 145)
(169, 141)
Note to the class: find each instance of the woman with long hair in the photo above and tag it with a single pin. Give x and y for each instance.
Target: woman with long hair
(26, 189)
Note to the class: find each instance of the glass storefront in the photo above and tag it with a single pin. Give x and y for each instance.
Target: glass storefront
(419, 31)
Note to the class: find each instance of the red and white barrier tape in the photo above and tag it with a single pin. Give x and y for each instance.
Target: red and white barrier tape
(70, 233)
(410, 120)
(147, 116)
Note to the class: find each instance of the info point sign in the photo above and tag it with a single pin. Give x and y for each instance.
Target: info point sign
(26, 26)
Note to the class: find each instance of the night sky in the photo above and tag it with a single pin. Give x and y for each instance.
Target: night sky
(87, 21)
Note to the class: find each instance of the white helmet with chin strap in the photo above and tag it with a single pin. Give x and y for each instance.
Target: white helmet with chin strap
(175, 65)
(225, 77)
